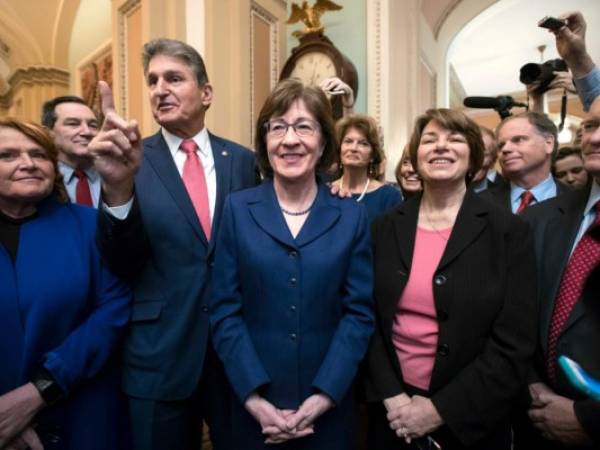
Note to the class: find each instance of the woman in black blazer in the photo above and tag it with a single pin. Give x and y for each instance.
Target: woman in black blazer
(455, 301)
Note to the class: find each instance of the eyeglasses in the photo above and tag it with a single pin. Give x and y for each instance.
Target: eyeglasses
(302, 128)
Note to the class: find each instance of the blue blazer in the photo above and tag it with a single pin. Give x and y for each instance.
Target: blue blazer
(60, 308)
(161, 247)
(292, 317)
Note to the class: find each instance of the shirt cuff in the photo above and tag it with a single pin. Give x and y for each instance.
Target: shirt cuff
(119, 212)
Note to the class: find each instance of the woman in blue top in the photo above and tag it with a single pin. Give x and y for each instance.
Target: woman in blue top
(62, 314)
(361, 154)
(292, 309)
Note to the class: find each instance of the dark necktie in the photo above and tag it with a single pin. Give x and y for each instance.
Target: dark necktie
(83, 196)
(526, 199)
(195, 183)
(583, 260)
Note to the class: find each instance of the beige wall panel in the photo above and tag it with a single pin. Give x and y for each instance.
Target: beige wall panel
(135, 74)
(261, 64)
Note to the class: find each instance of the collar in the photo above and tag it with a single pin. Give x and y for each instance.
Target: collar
(491, 175)
(593, 198)
(201, 139)
(542, 191)
(68, 172)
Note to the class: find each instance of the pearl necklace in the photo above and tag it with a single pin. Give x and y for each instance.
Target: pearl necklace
(364, 191)
(296, 213)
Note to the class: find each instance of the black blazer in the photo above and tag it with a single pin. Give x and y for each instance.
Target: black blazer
(555, 224)
(500, 193)
(484, 290)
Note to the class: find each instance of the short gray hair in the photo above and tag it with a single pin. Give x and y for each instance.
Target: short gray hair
(175, 49)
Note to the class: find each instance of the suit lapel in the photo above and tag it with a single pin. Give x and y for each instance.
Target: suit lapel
(158, 155)
(223, 161)
(323, 216)
(469, 224)
(559, 235)
(265, 211)
(405, 225)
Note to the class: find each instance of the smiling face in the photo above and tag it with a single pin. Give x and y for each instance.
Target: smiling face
(178, 103)
(294, 158)
(590, 140)
(524, 152)
(26, 171)
(75, 126)
(408, 178)
(442, 155)
(355, 149)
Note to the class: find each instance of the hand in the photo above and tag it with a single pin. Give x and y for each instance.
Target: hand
(336, 189)
(556, 419)
(117, 151)
(415, 419)
(17, 409)
(27, 440)
(398, 401)
(563, 80)
(335, 86)
(313, 407)
(570, 44)
(273, 421)
(535, 390)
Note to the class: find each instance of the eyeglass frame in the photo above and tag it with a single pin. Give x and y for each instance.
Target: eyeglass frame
(267, 125)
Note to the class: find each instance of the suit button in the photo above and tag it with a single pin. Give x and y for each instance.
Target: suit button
(443, 349)
(211, 264)
(205, 308)
(293, 281)
(440, 280)
(293, 308)
(53, 438)
(442, 315)
(293, 254)
(293, 336)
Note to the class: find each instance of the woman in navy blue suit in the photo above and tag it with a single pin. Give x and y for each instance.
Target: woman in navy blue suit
(292, 310)
(62, 313)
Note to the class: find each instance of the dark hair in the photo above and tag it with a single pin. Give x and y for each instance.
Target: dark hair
(42, 137)
(454, 121)
(541, 122)
(490, 133)
(175, 49)
(369, 128)
(49, 116)
(285, 94)
(564, 152)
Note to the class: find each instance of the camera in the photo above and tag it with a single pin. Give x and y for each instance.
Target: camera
(542, 73)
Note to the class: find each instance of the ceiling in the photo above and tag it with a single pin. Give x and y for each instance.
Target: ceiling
(489, 51)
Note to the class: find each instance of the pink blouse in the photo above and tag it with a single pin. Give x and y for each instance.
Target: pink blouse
(415, 328)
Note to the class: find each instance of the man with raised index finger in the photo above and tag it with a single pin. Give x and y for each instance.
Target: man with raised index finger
(162, 202)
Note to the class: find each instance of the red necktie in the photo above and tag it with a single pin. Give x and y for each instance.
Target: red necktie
(195, 183)
(583, 260)
(526, 199)
(83, 196)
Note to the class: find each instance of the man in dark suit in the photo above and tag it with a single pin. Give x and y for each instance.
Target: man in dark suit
(157, 227)
(526, 142)
(487, 177)
(567, 232)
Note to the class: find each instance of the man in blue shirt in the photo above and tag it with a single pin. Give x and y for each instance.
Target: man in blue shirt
(526, 143)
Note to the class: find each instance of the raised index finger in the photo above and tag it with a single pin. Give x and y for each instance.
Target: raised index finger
(106, 97)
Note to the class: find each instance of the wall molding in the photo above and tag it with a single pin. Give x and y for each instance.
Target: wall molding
(124, 11)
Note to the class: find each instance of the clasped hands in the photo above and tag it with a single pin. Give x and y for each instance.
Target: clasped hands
(280, 425)
(412, 417)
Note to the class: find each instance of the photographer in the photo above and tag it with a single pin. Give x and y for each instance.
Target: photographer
(570, 43)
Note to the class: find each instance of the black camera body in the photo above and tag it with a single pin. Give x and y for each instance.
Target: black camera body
(542, 73)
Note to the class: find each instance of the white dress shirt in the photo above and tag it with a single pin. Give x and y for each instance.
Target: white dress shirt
(70, 182)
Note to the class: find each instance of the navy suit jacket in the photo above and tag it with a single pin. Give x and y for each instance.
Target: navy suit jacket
(292, 317)
(556, 223)
(62, 309)
(161, 247)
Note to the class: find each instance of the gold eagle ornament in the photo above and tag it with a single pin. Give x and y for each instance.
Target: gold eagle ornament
(311, 16)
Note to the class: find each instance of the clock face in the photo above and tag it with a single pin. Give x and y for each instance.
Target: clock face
(313, 67)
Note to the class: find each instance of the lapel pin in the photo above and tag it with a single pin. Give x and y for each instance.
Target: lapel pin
(224, 153)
